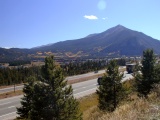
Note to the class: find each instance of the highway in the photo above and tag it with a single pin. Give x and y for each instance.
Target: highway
(20, 87)
(9, 89)
(85, 75)
(8, 105)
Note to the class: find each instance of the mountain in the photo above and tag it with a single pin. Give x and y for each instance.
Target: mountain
(13, 54)
(117, 40)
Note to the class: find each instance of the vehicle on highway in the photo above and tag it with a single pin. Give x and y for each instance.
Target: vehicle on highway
(99, 80)
(130, 67)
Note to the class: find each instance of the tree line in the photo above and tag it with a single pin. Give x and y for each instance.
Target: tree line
(75, 68)
(19, 74)
(19, 62)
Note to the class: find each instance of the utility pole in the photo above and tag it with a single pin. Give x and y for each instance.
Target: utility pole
(14, 86)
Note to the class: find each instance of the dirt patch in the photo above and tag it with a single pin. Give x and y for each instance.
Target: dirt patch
(7, 86)
(11, 94)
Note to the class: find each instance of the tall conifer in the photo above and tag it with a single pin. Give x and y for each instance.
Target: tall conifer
(145, 81)
(51, 98)
(62, 104)
(26, 101)
(110, 89)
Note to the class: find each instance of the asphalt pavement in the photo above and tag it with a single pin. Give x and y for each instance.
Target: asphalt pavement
(8, 105)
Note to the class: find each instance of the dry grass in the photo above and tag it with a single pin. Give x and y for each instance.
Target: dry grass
(7, 86)
(133, 109)
(88, 101)
(87, 104)
(139, 109)
(11, 94)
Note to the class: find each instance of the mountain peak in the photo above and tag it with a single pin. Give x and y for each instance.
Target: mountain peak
(119, 27)
(115, 29)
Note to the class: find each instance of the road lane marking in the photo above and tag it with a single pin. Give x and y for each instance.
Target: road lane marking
(15, 97)
(11, 107)
(87, 85)
(85, 91)
(8, 114)
(9, 102)
(83, 87)
(5, 103)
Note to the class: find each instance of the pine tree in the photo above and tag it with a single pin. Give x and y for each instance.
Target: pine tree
(49, 98)
(39, 104)
(110, 90)
(62, 105)
(26, 102)
(144, 82)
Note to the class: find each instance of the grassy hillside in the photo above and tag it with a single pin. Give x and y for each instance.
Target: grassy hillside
(132, 108)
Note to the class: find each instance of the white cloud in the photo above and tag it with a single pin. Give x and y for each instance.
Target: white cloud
(91, 17)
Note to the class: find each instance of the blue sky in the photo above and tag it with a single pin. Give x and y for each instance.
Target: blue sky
(31, 23)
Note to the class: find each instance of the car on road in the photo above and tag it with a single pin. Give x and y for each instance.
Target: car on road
(99, 80)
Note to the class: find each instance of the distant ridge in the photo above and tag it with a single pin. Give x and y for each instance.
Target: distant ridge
(116, 41)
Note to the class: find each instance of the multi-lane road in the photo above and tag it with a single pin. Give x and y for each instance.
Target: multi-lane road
(20, 87)
(8, 105)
